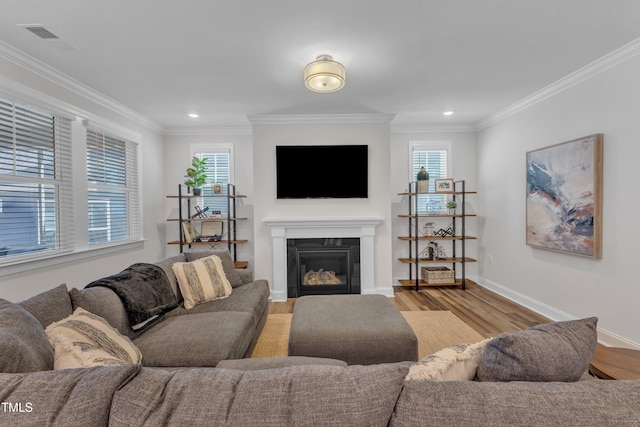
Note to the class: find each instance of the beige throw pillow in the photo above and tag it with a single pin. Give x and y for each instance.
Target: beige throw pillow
(456, 363)
(84, 340)
(201, 280)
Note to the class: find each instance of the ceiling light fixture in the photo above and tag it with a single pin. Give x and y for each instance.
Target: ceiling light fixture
(194, 115)
(324, 75)
(448, 113)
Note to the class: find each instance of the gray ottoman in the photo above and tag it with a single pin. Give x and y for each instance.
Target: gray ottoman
(359, 329)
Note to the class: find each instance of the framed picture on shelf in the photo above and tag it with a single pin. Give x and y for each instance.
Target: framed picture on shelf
(444, 185)
(187, 231)
(564, 197)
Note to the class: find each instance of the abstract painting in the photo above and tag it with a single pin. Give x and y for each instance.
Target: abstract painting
(564, 197)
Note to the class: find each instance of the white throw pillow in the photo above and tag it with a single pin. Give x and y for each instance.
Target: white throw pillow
(456, 363)
(202, 280)
(84, 340)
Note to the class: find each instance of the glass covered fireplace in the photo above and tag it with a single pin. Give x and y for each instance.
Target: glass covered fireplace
(323, 266)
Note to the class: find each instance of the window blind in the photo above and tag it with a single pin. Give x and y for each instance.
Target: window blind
(35, 183)
(113, 199)
(218, 172)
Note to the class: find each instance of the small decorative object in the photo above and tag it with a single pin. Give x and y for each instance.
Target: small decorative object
(444, 232)
(187, 231)
(452, 205)
(442, 253)
(423, 180)
(197, 175)
(564, 197)
(428, 229)
(433, 207)
(444, 185)
(216, 188)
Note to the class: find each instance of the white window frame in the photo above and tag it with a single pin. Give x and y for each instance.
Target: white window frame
(77, 225)
(214, 148)
(430, 146)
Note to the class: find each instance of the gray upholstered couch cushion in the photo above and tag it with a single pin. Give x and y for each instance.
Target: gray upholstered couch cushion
(250, 298)
(105, 303)
(24, 347)
(260, 363)
(594, 403)
(294, 396)
(49, 306)
(559, 351)
(69, 398)
(165, 265)
(197, 339)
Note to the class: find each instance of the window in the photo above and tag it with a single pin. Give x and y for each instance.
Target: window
(35, 183)
(218, 172)
(434, 158)
(113, 213)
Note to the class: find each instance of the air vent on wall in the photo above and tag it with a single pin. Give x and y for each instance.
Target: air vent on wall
(45, 34)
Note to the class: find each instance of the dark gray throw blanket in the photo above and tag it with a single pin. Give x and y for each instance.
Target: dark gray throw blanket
(144, 290)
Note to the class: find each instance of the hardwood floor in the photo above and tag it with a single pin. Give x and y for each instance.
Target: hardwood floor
(486, 312)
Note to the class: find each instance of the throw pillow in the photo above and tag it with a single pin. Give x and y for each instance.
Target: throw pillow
(559, 351)
(202, 280)
(84, 340)
(455, 363)
(23, 345)
(227, 264)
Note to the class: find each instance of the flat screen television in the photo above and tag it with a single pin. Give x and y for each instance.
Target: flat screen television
(322, 171)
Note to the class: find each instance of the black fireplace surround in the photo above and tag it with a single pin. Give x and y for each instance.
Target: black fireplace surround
(319, 266)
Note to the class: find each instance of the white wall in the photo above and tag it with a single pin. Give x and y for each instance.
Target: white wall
(559, 285)
(79, 272)
(464, 167)
(178, 159)
(267, 136)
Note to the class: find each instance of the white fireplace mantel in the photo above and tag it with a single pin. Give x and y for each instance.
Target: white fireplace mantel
(282, 229)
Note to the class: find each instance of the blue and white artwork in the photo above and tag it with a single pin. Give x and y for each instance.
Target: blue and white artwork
(563, 200)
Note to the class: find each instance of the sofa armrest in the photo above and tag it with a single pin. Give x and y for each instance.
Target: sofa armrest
(246, 275)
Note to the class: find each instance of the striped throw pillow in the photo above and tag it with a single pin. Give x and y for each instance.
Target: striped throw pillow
(201, 280)
(84, 340)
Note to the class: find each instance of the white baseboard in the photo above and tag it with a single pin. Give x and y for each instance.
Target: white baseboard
(604, 337)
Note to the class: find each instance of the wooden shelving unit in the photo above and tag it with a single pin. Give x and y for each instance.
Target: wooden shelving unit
(185, 216)
(416, 241)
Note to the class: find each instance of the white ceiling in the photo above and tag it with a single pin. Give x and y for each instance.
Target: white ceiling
(229, 59)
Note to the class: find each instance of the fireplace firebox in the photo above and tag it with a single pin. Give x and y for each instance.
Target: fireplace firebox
(323, 266)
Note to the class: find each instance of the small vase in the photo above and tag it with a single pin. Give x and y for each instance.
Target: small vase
(197, 191)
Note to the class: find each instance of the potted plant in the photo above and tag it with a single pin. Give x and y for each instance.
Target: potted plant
(197, 175)
(452, 205)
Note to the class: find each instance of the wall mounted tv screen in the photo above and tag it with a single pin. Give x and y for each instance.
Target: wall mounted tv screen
(322, 171)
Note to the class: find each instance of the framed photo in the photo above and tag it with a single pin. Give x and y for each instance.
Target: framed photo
(187, 231)
(564, 197)
(212, 228)
(444, 185)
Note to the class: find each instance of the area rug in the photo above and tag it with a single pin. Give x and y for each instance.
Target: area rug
(435, 330)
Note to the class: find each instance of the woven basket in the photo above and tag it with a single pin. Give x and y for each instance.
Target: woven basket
(437, 275)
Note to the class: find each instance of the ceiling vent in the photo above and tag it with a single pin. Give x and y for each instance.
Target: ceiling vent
(40, 31)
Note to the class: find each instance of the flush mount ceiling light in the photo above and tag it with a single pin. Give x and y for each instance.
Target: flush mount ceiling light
(448, 113)
(324, 75)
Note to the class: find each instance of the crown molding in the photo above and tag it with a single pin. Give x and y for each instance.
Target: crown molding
(431, 128)
(594, 68)
(291, 119)
(47, 72)
(208, 130)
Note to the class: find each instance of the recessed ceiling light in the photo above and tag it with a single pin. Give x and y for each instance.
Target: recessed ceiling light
(448, 113)
(194, 115)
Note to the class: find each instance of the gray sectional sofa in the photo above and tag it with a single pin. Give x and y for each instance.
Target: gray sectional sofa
(201, 337)
(176, 384)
